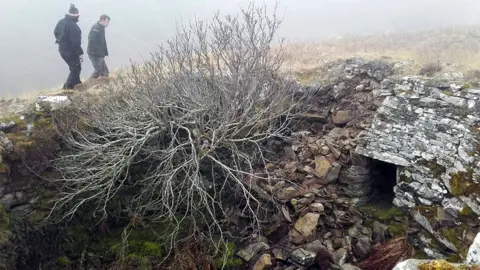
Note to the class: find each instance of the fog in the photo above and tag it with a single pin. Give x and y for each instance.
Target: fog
(29, 59)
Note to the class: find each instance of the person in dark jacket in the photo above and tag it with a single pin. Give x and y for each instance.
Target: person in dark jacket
(68, 36)
(97, 47)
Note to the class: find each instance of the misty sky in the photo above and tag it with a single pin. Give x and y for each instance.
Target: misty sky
(29, 59)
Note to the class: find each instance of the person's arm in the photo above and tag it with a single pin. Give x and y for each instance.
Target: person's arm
(76, 40)
(105, 43)
(56, 32)
(93, 41)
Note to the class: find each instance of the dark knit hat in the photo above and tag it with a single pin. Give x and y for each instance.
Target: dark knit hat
(73, 11)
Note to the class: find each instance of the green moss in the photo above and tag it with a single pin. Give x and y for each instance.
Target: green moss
(63, 261)
(226, 258)
(453, 236)
(4, 169)
(437, 265)
(145, 263)
(398, 229)
(406, 179)
(467, 86)
(15, 118)
(450, 234)
(145, 249)
(466, 211)
(390, 213)
(462, 184)
(436, 169)
(448, 92)
(43, 123)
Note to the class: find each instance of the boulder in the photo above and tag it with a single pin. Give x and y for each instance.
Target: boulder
(305, 229)
(341, 117)
(264, 263)
(322, 167)
(249, 252)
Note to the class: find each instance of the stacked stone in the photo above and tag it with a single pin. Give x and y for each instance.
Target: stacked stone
(431, 132)
(357, 183)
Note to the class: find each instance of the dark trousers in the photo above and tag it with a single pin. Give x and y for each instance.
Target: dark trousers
(73, 62)
(99, 66)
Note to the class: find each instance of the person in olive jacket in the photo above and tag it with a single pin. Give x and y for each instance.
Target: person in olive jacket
(97, 47)
(68, 36)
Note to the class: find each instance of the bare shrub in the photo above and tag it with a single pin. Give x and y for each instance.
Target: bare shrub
(387, 255)
(430, 69)
(180, 142)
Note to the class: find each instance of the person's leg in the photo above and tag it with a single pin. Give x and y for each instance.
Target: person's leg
(97, 67)
(66, 57)
(105, 71)
(76, 70)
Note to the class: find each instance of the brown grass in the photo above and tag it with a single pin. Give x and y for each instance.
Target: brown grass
(386, 256)
(459, 46)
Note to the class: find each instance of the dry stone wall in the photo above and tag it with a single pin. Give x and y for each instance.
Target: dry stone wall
(431, 132)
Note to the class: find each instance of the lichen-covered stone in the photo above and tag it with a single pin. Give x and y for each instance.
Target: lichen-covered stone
(303, 257)
(51, 103)
(250, 251)
(473, 255)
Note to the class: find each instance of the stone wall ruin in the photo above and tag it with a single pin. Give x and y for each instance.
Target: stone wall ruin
(431, 133)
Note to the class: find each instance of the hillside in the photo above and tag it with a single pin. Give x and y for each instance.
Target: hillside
(209, 157)
(459, 46)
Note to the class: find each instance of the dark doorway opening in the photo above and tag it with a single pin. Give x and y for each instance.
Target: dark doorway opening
(384, 176)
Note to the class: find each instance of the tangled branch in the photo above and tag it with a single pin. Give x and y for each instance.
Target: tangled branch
(182, 137)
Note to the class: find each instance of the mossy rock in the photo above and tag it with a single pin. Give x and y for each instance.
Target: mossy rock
(406, 179)
(454, 235)
(441, 265)
(462, 184)
(467, 212)
(436, 169)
